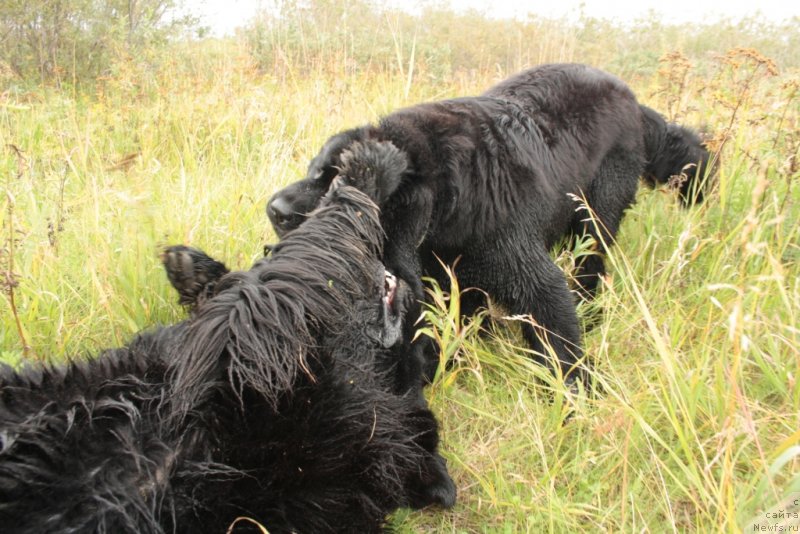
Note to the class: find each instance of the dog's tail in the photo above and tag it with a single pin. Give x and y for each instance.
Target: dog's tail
(675, 155)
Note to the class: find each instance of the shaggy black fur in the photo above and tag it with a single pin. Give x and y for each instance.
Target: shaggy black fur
(277, 401)
(494, 180)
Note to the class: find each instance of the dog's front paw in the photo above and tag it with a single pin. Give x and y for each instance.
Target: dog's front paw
(192, 273)
(443, 493)
(375, 167)
(436, 487)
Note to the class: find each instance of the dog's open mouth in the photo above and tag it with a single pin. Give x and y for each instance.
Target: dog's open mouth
(393, 309)
(390, 292)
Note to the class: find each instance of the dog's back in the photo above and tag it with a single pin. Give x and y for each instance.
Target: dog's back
(80, 446)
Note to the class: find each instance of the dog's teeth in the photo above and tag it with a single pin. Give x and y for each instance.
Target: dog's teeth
(390, 288)
(390, 281)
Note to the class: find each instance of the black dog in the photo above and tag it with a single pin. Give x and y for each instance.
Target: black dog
(495, 181)
(276, 401)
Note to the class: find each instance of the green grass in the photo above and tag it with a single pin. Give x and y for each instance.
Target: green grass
(697, 346)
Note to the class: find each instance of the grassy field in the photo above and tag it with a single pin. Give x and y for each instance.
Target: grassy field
(697, 349)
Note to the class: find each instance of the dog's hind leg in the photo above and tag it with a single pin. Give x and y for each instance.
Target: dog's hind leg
(611, 192)
(192, 273)
(529, 284)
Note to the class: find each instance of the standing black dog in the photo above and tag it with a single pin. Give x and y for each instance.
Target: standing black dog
(278, 400)
(494, 180)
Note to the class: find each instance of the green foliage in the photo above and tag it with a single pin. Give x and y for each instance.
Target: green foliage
(442, 44)
(76, 41)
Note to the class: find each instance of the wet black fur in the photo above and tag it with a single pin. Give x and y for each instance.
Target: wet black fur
(277, 400)
(496, 181)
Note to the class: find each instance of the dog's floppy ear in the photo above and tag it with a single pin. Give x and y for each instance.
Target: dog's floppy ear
(374, 167)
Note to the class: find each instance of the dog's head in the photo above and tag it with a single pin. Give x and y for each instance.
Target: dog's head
(324, 285)
(372, 301)
(361, 162)
(377, 317)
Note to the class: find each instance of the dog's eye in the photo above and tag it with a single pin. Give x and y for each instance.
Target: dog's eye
(326, 174)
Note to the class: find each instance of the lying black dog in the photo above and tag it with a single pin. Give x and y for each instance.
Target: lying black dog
(494, 180)
(277, 401)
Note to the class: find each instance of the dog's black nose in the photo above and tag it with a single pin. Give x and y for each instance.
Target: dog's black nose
(279, 210)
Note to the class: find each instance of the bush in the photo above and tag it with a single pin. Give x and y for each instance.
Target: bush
(76, 40)
(359, 35)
